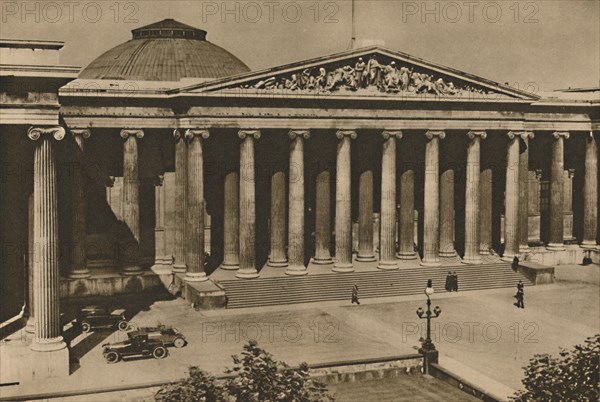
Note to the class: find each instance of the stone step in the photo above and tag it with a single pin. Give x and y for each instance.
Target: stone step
(337, 286)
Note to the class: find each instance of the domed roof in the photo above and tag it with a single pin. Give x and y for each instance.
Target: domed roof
(165, 51)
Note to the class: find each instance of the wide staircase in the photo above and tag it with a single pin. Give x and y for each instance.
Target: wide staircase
(338, 286)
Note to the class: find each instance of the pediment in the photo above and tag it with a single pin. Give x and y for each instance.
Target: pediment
(367, 72)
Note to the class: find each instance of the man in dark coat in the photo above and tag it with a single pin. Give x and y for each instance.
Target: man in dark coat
(455, 281)
(355, 295)
(448, 285)
(515, 263)
(520, 296)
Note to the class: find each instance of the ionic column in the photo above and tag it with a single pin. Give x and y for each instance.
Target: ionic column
(472, 242)
(343, 204)
(407, 215)
(387, 236)
(231, 217)
(131, 200)
(247, 238)
(277, 257)
(590, 193)
(556, 192)
(46, 280)
(524, 193)
(485, 211)
(431, 210)
(160, 240)
(296, 211)
(511, 202)
(195, 206)
(78, 267)
(446, 248)
(365, 206)
(323, 219)
(179, 264)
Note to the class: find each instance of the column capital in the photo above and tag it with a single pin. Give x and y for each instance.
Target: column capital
(477, 135)
(177, 135)
(299, 133)
(249, 133)
(561, 134)
(190, 134)
(346, 133)
(159, 180)
(125, 133)
(570, 173)
(34, 133)
(430, 134)
(526, 135)
(83, 132)
(538, 173)
(387, 134)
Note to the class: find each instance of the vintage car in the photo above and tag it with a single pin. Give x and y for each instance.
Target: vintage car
(91, 317)
(136, 346)
(168, 335)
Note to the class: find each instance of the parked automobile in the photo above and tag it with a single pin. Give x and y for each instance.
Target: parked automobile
(91, 317)
(168, 335)
(139, 345)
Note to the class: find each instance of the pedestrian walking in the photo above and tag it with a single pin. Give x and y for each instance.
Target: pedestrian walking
(355, 295)
(455, 281)
(520, 296)
(448, 285)
(515, 263)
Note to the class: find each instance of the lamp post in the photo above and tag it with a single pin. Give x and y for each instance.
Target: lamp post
(427, 347)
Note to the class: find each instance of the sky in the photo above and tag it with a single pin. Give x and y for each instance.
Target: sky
(533, 45)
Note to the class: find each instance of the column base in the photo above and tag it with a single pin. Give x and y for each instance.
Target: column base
(338, 267)
(178, 268)
(80, 273)
(387, 265)
(322, 261)
(524, 249)
(277, 264)
(30, 327)
(296, 270)
(229, 267)
(247, 273)
(406, 256)
(426, 263)
(555, 247)
(195, 277)
(472, 260)
(38, 365)
(589, 244)
(48, 345)
(366, 258)
(448, 254)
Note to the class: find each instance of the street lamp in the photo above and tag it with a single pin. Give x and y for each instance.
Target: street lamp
(427, 347)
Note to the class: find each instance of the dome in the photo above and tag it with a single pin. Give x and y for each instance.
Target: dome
(165, 51)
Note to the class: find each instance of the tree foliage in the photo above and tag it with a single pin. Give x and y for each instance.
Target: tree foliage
(256, 377)
(573, 375)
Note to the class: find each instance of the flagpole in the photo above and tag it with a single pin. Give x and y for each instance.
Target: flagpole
(353, 28)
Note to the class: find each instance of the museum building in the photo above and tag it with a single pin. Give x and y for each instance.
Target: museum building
(166, 162)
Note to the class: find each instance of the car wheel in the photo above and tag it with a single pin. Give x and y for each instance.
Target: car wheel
(160, 352)
(112, 357)
(179, 342)
(86, 327)
(123, 325)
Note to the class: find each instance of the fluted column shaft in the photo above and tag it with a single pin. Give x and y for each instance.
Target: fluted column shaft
(431, 210)
(323, 219)
(407, 215)
(472, 242)
(556, 192)
(511, 202)
(195, 200)
(447, 213)
(387, 236)
(590, 193)
(160, 238)
(247, 239)
(485, 211)
(131, 200)
(231, 217)
(46, 277)
(524, 193)
(365, 204)
(296, 211)
(78, 267)
(277, 257)
(343, 204)
(179, 264)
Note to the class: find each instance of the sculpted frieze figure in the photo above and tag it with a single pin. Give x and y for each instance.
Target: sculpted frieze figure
(371, 76)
